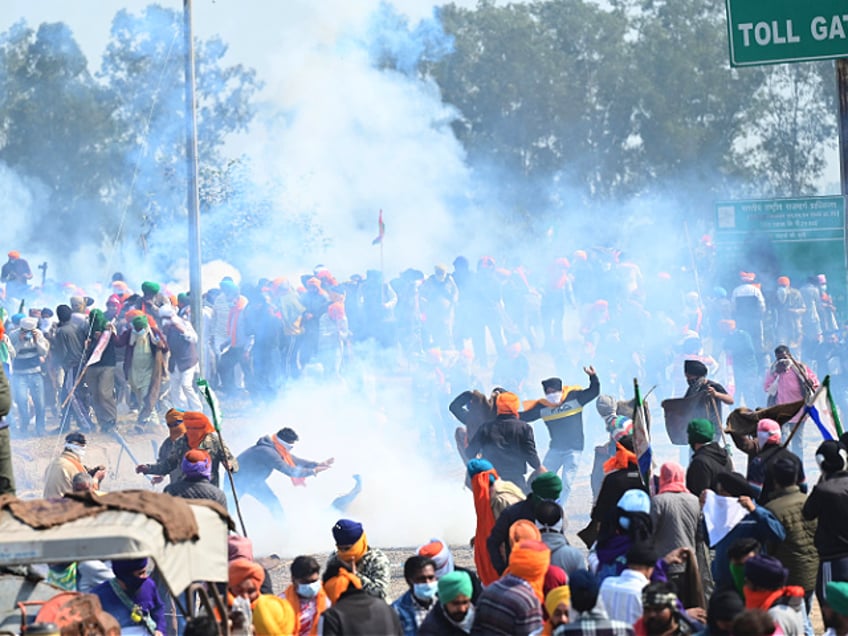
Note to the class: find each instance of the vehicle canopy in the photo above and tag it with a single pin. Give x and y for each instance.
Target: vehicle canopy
(187, 539)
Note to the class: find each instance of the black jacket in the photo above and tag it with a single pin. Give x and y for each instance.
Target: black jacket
(828, 502)
(197, 489)
(613, 487)
(760, 470)
(500, 532)
(707, 462)
(510, 445)
(360, 614)
(438, 624)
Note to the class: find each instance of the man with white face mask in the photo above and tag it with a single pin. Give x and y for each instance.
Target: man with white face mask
(770, 450)
(562, 411)
(59, 476)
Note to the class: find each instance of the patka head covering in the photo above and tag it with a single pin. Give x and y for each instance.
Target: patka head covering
(140, 322)
(75, 438)
(124, 568)
(28, 323)
(547, 486)
(584, 590)
(830, 456)
(149, 288)
(287, 435)
(507, 404)
(700, 431)
(836, 593)
(783, 281)
(14, 254)
(478, 465)
(552, 384)
(347, 531)
(635, 500)
(453, 585)
(765, 572)
(694, 368)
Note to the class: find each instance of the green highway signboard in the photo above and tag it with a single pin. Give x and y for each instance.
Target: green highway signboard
(774, 31)
(784, 237)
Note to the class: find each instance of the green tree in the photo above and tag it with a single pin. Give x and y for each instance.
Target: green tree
(144, 65)
(55, 126)
(790, 124)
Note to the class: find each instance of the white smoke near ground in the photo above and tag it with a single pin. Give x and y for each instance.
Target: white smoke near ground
(406, 499)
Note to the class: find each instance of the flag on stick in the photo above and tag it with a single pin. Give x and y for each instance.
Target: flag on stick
(641, 436)
(381, 227)
(822, 410)
(99, 348)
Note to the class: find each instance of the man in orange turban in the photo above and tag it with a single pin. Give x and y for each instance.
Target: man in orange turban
(199, 435)
(507, 442)
(351, 605)
(272, 615)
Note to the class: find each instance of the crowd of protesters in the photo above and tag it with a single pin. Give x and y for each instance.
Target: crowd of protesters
(655, 563)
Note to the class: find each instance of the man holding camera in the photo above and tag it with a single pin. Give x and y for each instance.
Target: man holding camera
(789, 380)
(31, 353)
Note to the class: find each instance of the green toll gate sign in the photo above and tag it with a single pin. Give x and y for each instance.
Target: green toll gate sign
(776, 31)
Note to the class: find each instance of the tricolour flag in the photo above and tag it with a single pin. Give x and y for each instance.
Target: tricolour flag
(381, 228)
(641, 437)
(822, 410)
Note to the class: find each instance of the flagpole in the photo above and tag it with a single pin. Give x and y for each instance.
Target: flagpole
(206, 390)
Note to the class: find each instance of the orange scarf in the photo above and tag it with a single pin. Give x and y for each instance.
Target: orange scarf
(321, 603)
(621, 460)
(354, 552)
(285, 455)
(197, 426)
(485, 522)
(340, 583)
(233, 318)
(764, 599)
(530, 560)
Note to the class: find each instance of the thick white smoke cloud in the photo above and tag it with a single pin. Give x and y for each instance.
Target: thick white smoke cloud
(349, 139)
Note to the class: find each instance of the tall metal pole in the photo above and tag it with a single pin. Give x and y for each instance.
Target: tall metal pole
(192, 200)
